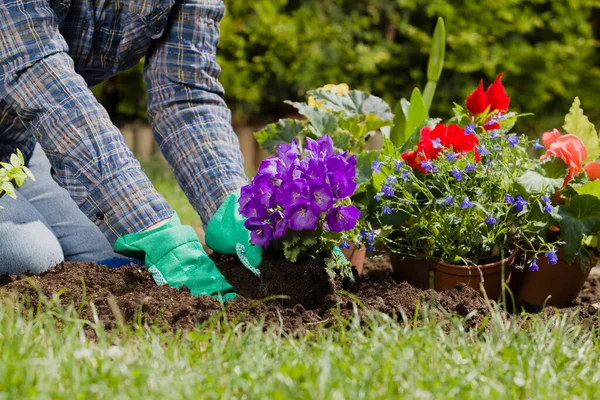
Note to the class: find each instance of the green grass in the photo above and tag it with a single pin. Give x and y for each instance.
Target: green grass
(556, 359)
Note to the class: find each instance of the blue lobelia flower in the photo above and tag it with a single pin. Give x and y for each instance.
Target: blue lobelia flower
(390, 179)
(344, 244)
(457, 174)
(533, 266)
(537, 145)
(378, 196)
(470, 167)
(387, 190)
(470, 129)
(551, 256)
(512, 140)
(448, 200)
(509, 199)
(548, 205)
(404, 175)
(386, 210)
(399, 164)
(520, 203)
(376, 166)
(451, 157)
(483, 151)
(490, 220)
(437, 144)
(466, 203)
(428, 165)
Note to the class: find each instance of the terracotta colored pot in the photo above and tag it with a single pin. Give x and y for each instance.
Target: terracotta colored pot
(554, 285)
(356, 256)
(447, 276)
(418, 273)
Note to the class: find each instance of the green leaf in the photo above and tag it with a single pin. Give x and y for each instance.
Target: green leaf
(416, 114)
(578, 220)
(416, 134)
(284, 131)
(532, 182)
(397, 131)
(591, 187)
(364, 161)
(15, 161)
(429, 93)
(438, 52)
(576, 123)
(354, 103)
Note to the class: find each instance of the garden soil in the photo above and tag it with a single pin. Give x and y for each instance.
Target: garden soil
(129, 296)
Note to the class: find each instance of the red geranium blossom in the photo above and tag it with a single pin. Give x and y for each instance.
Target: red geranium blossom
(434, 141)
(494, 97)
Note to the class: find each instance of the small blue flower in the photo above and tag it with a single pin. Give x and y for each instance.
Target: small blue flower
(390, 179)
(533, 266)
(437, 144)
(494, 134)
(362, 234)
(405, 174)
(371, 237)
(466, 203)
(386, 210)
(547, 204)
(490, 220)
(512, 140)
(470, 129)
(551, 256)
(377, 197)
(520, 203)
(450, 157)
(344, 244)
(470, 168)
(457, 174)
(483, 151)
(399, 164)
(509, 199)
(376, 167)
(387, 190)
(370, 249)
(546, 199)
(448, 200)
(428, 165)
(537, 145)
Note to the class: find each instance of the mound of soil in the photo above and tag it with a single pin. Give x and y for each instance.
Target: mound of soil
(129, 295)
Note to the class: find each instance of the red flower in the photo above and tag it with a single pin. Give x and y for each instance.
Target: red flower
(494, 97)
(593, 170)
(434, 141)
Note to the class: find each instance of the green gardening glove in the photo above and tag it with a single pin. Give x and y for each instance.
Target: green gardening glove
(174, 256)
(226, 234)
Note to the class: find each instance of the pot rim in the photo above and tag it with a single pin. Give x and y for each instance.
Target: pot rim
(506, 261)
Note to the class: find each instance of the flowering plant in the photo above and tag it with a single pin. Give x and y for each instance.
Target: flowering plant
(301, 205)
(13, 174)
(568, 173)
(450, 194)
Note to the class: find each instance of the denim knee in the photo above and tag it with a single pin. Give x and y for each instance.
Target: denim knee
(28, 248)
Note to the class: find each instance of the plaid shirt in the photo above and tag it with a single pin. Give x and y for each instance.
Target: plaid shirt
(52, 50)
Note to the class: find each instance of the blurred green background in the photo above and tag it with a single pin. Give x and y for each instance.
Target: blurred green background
(273, 50)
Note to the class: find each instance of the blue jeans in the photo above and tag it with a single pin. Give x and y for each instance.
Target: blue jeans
(44, 226)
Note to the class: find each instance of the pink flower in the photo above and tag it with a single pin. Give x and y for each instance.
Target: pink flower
(550, 137)
(568, 148)
(593, 170)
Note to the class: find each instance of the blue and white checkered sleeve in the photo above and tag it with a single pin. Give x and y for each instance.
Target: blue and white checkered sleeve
(190, 119)
(87, 152)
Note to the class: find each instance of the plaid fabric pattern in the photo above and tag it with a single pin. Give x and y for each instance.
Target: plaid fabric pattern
(51, 51)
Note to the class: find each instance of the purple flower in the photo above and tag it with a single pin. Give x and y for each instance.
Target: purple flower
(512, 140)
(386, 210)
(293, 192)
(428, 165)
(254, 209)
(551, 256)
(269, 167)
(451, 157)
(547, 204)
(470, 167)
(466, 203)
(288, 153)
(278, 224)
(265, 191)
(320, 148)
(315, 170)
(321, 194)
(303, 216)
(457, 174)
(387, 190)
(483, 151)
(494, 134)
(344, 244)
(520, 203)
(490, 220)
(533, 266)
(437, 144)
(404, 175)
(378, 196)
(399, 164)
(537, 145)
(371, 237)
(509, 199)
(342, 186)
(448, 200)
(362, 235)
(260, 232)
(390, 179)
(376, 167)
(342, 218)
(470, 129)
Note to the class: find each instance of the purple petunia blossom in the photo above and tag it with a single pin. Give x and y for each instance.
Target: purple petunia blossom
(376, 167)
(405, 174)
(457, 174)
(321, 194)
(386, 210)
(490, 220)
(428, 165)
(399, 164)
(533, 266)
(470, 167)
(520, 203)
(278, 224)
(448, 200)
(537, 145)
(470, 129)
(509, 199)
(387, 190)
(466, 203)
(551, 256)
(260, 232)
(512, 140)
(483, 151)
(303, 216)
(342, 218)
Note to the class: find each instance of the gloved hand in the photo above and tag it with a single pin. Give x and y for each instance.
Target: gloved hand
(175, 256)
(226, 234)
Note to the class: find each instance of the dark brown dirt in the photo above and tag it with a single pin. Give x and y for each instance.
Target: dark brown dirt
(129, 296)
